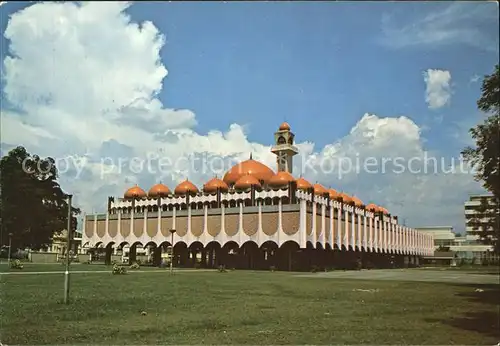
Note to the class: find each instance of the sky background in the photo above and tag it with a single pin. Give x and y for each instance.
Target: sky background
(100, 81)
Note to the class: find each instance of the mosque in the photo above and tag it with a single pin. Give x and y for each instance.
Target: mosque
(255, 218)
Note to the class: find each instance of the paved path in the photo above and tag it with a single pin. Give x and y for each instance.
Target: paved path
(426, 275)
(106, 271)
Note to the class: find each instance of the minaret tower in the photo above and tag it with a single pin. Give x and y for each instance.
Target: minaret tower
(284, 148)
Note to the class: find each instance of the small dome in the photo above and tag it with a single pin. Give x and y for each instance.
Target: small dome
(281, 179)
(249, 167)
(213, 184)
(346, 198)
(284, 127)
(372, 207)
(159, 190)
(246, 182)
(333, 194)
(186, 187)
(319, 190)
(383, 210)
(303, 184)
(357, 202)
(135, 192)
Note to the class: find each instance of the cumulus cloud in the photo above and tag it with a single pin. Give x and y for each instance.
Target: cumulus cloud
(83, 82)
(438, 88)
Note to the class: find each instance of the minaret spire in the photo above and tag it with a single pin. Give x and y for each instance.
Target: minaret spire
(284, 148)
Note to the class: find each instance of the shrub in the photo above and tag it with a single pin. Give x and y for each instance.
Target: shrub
(222, 269)
(197, 265)
(314, 269)
(272, 268)
(118, 270)
(135, 265)
(139, 262)
(113, 262)
(16, 264)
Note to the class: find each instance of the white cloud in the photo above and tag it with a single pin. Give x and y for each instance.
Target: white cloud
(458, 22)
(475, 78)
(438, 88)
(84, 81)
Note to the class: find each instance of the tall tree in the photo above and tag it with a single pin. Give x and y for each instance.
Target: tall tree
(485, 221)
(485, 156)
(33, 206)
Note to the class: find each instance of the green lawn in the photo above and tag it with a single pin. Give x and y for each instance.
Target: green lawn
(242, 307)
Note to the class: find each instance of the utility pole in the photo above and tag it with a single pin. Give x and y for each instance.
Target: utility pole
(10, 247)
(68, 245)
(172, 231)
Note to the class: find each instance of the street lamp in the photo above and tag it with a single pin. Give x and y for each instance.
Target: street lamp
(10, 246)
(68, 245)
(172, 231)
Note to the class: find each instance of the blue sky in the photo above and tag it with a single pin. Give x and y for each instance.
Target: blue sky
(299, 61)
(321, 66)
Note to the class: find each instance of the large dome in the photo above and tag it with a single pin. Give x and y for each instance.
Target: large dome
(135, 192)
(248, 167)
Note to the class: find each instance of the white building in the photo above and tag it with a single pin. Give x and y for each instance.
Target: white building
(449, 246)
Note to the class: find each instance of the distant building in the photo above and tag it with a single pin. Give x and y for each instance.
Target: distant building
(452, 249)
(59, 243)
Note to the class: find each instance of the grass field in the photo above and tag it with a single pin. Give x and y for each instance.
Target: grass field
(241, 307)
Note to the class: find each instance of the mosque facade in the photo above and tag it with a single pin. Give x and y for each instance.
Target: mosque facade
(255, 218)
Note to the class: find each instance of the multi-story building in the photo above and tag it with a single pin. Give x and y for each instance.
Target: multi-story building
(474, 207)
(450, 248)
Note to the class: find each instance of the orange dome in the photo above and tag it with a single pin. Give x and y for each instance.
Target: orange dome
(319, 190)
(303, 184)
(159, 190)
(259, 170)
(372, 207)
(213, 184)
(346, 198)
(246, 182)
(385, 211)
(135, 192)
(284, 127)
(357, 202)
(281, 179)
(186, 187)
(333, 194)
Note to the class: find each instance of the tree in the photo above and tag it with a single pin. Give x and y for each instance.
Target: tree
(485, 221)
(485, 156)
(33, 205)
